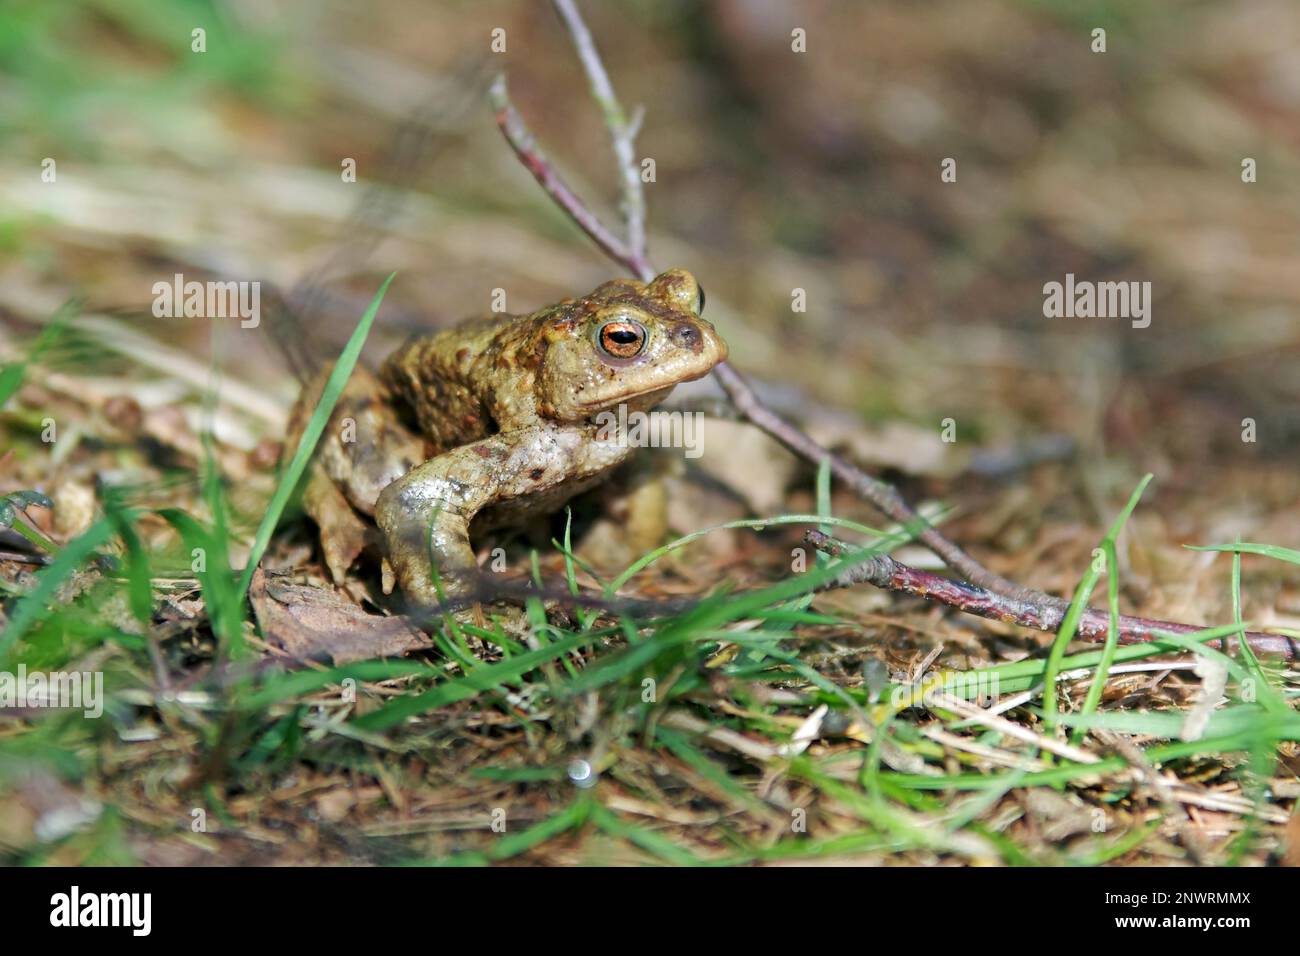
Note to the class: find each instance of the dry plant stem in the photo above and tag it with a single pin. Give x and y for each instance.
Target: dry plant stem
(622, 133)
(973, 712)
(525, 146)
(884, 572)
(988, 594)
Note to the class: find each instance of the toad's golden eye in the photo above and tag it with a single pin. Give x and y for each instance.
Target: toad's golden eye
(621, 339)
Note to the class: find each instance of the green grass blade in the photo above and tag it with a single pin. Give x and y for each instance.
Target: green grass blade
(11, 376)
(756, 524)
(315, 428)
(487, 677)
(286, 686)
(1080, 601)
(215, 578)
(1243, 547)
(614, 825)
(1098, 684)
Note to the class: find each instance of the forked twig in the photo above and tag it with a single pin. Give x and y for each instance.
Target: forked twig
(988, 594)
(622, 132)
(530, 154)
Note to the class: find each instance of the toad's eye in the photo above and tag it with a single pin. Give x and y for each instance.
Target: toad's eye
(621, 339)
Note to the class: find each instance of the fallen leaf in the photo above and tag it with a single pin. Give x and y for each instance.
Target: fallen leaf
(313, 623)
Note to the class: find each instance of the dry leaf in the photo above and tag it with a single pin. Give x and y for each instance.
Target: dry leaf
(315, 623)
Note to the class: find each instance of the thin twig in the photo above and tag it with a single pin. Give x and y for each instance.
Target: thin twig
(977, 714)
(622, 132)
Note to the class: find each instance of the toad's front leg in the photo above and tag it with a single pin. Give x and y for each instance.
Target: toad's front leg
(424, 517)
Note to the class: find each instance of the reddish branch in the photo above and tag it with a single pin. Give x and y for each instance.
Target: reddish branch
(884, 572)
(988, 594)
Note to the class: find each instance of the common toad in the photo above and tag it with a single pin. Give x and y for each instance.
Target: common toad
(491, 423)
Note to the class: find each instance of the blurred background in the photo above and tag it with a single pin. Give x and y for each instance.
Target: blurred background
(777, 174)
(774, 171)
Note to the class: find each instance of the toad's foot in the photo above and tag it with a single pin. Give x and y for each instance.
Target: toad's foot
(477, 608)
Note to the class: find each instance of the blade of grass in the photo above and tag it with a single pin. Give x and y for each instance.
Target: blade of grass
(1244, 719)
(311, 435)
(1266, 693)
(286, 686)
(13, 506)
(487, 677)
(1067, 772)
(1098, 684)
(1080, 601)
(11, 376)
(757, 524)
(139, 583)
(1267, 550)
(215, 577)
(1261, 753)
(697, 761)
(571, 817)
(612, 824)
(1021, 675)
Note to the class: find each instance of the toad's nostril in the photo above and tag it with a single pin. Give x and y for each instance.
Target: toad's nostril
(688, 337)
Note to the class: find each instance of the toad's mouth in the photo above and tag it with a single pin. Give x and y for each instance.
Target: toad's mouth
(601, 403)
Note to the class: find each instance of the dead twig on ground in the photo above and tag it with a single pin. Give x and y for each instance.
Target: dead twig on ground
(884, 572)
